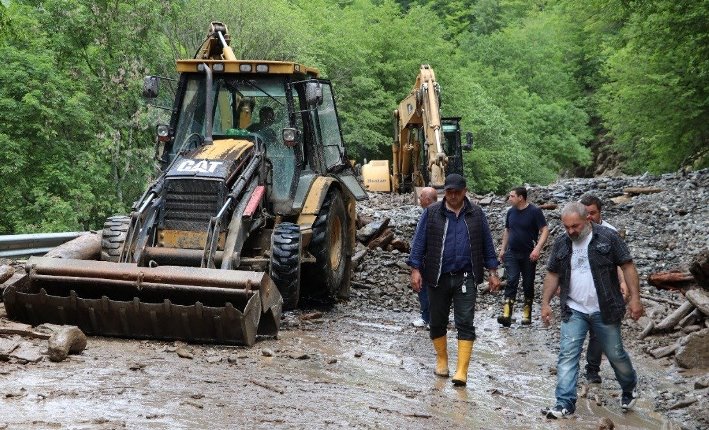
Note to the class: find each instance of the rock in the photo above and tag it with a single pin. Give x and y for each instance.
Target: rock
(311, 316)
(6, 272)
(701, 383)
(605, 423)
(184, 352)
(68, 340)
(6, 347)
(266, 352)
(694, 353)
(27, 353)
(214, 359)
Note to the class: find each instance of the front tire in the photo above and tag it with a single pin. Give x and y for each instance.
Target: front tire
(329, 246)
(285, 262)
(113, 237)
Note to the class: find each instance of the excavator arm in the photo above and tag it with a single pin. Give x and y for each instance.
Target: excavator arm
(417, 124)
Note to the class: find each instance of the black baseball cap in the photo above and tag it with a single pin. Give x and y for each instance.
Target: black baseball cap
(455, 181)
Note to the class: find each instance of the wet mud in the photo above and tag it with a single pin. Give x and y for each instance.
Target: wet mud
(343, 369)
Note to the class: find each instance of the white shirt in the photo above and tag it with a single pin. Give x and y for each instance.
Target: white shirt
(582, 291)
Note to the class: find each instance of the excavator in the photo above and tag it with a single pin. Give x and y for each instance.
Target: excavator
(239, 224)
(426, 146)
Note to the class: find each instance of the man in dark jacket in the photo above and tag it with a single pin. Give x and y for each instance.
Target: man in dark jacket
(583, 263)
(452, 247)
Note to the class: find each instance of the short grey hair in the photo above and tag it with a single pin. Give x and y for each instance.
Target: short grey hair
(574, 208)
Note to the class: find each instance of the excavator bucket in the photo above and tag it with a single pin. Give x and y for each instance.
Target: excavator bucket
(165, 302)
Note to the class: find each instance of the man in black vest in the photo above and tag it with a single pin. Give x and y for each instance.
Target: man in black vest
(452, 247)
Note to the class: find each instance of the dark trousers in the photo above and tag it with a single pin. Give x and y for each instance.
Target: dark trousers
(423, 301)
(516, 265)
(450, 291)
(593, 354)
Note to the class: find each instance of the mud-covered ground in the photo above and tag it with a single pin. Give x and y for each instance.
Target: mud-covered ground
(345, 369)
(362, 365)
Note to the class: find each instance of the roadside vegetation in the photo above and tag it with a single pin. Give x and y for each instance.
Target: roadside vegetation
(542, 85)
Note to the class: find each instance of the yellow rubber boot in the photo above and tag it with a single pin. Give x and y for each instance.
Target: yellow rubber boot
(440, 344)
(506, 318)
(465, 350)
(527, 312)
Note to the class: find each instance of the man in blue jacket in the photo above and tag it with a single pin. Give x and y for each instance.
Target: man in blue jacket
(452, 247)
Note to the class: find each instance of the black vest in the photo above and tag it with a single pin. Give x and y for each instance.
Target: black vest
(436, 224)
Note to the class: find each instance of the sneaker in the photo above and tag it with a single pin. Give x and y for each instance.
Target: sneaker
(418, 323)
(557, 412)
(627, 400)
(593, 377)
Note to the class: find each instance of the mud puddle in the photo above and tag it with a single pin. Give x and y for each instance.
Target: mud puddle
(346, 370)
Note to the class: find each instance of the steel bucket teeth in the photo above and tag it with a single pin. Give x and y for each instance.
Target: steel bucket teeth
(171, 303)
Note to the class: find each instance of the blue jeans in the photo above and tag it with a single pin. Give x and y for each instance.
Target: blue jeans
(423, 301)
(450, 290)
(573, 333)
(517, 264)
(593, 354)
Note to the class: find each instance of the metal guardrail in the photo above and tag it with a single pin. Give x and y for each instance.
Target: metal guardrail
(21, 245)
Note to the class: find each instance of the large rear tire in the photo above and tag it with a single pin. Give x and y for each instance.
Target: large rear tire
(113, 237)
(285, 262)
(329, 246)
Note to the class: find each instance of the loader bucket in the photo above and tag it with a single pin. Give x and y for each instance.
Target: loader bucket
(165, 302)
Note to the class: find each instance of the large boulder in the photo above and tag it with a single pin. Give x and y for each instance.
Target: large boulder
(694, 352)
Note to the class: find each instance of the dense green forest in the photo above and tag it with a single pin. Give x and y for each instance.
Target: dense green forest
(543, 85)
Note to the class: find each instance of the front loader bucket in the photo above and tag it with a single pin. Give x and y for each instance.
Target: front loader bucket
(165, 302)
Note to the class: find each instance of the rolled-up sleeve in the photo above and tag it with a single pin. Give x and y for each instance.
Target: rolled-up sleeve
(489, 254)
(418, 246)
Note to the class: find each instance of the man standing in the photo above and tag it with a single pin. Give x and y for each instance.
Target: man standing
(428, 196)
(451, 248)
(583, 264)
(525, 233)
(593, 207)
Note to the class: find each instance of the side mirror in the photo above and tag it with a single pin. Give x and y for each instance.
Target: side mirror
(313, 94)
(151, 85)
(468, 141)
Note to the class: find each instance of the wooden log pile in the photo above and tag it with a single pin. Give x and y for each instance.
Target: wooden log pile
(377, 234)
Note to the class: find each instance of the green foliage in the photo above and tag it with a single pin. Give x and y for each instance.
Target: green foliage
(528, 77)
(656, 98)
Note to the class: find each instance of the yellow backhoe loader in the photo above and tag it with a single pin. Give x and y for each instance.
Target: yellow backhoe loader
(426, 147)
(245, 217)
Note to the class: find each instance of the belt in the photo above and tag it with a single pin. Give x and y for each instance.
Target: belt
(454, 274)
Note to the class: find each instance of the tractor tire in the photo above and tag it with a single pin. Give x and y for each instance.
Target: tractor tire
(285, 262)
(115, 230)
(329, 247)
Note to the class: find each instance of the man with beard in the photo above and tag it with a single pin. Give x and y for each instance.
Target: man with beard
(583, 264)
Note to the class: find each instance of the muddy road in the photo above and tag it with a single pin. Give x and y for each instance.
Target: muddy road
(340, 368)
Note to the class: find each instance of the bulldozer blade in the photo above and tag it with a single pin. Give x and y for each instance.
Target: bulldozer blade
(122, 299)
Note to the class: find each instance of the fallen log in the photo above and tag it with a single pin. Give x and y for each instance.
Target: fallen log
(692, 318)
(649, 328)
(85, 247)
(660, 300)
(382, 240)
(699, 299)
(672, 319)
(664, 351)
(672, 280)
